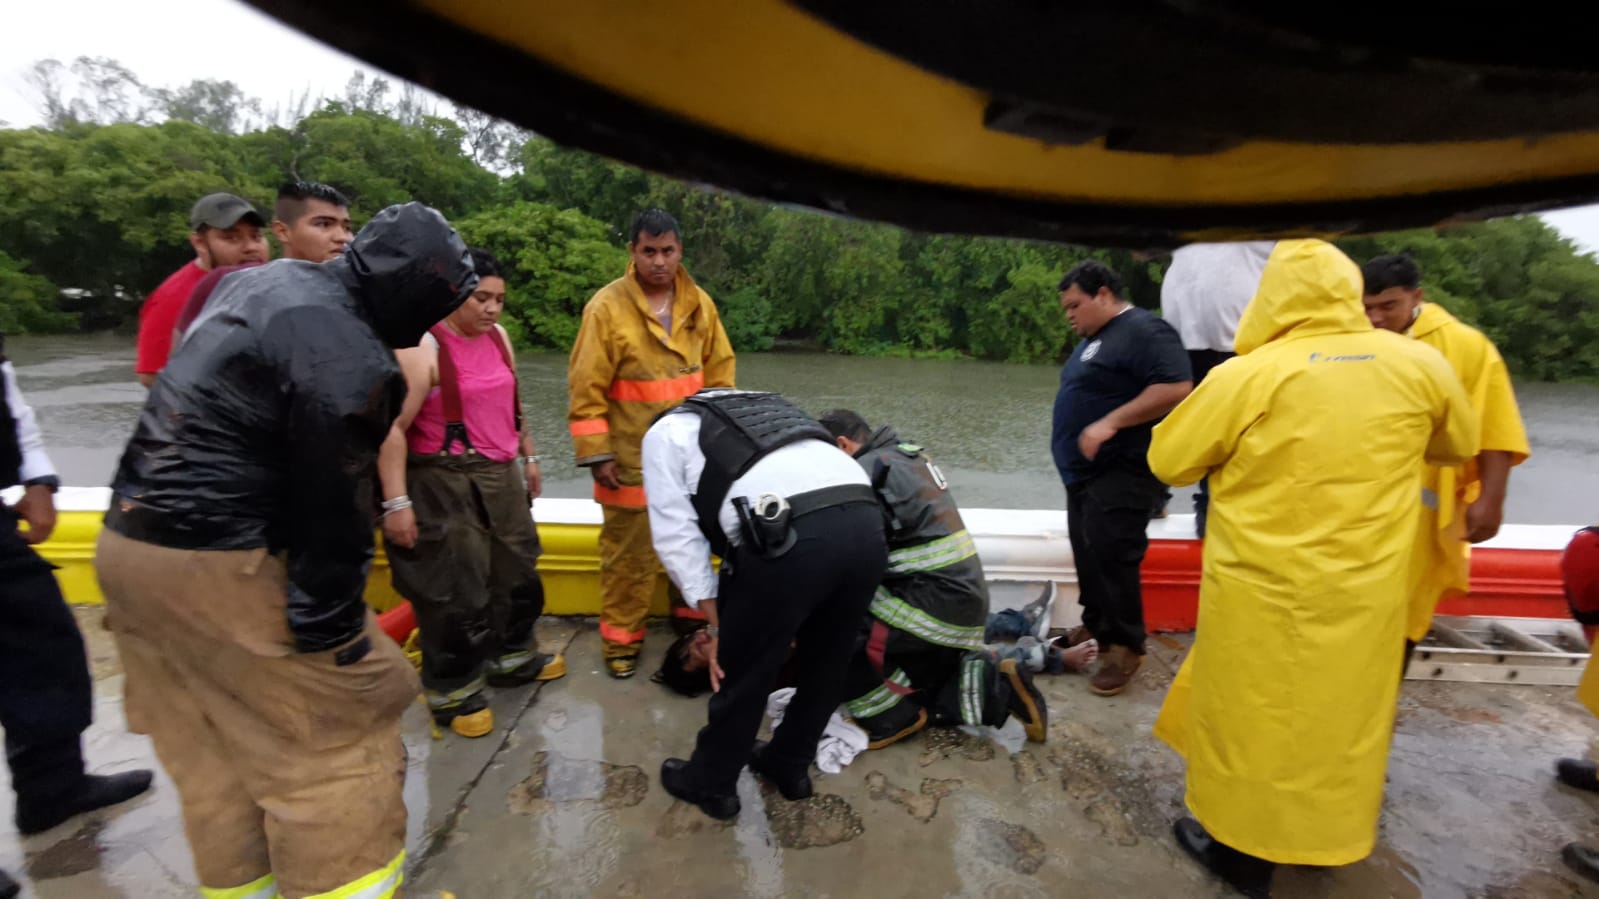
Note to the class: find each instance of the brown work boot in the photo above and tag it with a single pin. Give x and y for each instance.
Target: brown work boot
(1117, 665)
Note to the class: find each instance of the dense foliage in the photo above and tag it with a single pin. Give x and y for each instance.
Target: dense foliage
(95, 202)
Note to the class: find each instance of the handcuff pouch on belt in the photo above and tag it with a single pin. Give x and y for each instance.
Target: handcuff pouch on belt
(767, 526)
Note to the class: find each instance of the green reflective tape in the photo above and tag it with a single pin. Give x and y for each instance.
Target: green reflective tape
(901, 615)
(933, 555)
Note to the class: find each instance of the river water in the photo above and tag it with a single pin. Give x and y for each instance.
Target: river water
(987, 424)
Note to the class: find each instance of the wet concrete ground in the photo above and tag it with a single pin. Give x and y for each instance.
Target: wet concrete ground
(563, 801)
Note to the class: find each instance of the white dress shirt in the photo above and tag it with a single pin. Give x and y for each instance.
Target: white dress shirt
(35, 462)
(1207, 287)
(673, 464)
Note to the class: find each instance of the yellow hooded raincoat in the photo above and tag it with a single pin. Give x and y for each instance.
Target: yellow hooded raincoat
(1442, 565)
(1314, 440)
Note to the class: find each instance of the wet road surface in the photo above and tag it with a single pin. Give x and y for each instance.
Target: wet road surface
(563, 801)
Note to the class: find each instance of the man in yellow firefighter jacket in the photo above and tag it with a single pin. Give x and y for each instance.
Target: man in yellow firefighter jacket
(648, 339)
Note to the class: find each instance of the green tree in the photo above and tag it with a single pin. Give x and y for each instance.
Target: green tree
(1023, 322)
(28, 302)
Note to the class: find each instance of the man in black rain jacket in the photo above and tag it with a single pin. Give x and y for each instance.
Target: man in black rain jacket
(235, 555)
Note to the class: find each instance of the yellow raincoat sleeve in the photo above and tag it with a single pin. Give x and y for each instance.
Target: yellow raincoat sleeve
(1203, 431)
(719, 361)
(1502, 428)
(1456, 431)
(589, 373)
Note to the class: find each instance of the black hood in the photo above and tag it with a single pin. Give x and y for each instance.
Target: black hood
(409, 269)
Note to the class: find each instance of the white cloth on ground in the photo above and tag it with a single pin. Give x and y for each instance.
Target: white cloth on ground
(841, 741)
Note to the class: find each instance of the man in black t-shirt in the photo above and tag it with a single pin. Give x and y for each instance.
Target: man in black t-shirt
(1128, 372)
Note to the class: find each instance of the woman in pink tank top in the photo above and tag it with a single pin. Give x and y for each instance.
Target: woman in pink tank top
(459, 475)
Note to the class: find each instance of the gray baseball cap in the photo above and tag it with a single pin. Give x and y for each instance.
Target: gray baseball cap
(223, 211)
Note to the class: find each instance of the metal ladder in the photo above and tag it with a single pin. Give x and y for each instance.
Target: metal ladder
(1541, 651)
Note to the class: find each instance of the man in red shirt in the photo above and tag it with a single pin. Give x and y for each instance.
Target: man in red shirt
(311, 221)
(227, 231)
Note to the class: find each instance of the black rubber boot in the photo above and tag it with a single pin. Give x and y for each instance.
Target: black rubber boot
(1026, 703)
(8, 887)
(1247, 874)
(894, 725)
(542, 667)
(1582, 859)
(1580, 773)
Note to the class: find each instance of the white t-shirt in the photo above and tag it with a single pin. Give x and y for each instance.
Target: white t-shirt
(1207, 288)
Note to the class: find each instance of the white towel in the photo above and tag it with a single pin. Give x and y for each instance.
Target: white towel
(841, 741)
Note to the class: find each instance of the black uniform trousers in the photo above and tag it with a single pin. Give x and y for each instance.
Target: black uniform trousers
(1107, 518)
(45, 694)
(815, 597)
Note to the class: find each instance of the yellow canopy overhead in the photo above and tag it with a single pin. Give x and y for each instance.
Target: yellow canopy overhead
(1137, 123)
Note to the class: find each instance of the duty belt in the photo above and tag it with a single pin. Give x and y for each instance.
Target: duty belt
(768, 524)
(828, 497)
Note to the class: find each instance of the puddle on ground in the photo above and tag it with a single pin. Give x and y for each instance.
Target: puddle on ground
(72, 855)
(822, 820)
(1027, 768)
(1113, 793)
(1009, 845)
(922, 806)
(556, 778)
(1535, 885)
(939, 743)
(684, 820)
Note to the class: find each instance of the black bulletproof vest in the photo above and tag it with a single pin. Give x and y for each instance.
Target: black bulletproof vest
(10, 447)
(736, 431)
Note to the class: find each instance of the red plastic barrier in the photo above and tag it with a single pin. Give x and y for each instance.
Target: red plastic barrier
(398, 622)
(1505, 583)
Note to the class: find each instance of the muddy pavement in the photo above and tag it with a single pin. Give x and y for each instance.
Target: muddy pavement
(563, 801)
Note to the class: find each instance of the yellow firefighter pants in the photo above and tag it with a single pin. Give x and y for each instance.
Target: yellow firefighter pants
(289, 766)
(630, 576)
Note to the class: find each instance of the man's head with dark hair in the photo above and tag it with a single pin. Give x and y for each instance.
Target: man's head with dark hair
(1393, 293)
(654, 223)
(1091, 295)
(312, 221)
(656, 242)
(684, 668)
(227, 231)
(850, 431)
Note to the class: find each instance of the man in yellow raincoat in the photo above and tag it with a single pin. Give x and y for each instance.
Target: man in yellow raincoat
(1314, 440)
(648, 339)
(1462, 504)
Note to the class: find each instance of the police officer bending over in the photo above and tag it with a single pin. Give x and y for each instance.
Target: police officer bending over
(749, 476)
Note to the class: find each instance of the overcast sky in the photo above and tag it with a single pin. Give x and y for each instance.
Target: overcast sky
(168, 43)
